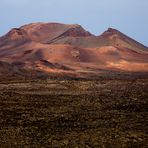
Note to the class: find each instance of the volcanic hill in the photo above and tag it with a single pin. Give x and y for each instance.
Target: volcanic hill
(45, 49)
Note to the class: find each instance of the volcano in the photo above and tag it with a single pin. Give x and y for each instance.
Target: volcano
(69, 50)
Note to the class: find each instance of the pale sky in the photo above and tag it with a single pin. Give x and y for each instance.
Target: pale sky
(128, 16)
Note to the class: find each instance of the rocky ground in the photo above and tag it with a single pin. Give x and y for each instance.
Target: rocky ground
(74, 113)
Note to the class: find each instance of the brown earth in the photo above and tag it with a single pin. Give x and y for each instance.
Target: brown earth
(55, 114)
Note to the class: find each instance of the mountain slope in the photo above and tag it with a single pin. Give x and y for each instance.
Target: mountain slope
(119, 39)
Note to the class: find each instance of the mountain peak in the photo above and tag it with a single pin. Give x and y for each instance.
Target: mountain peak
(76, 31)
(111, 31)
(16, 33)
(119, 39)
(14, 37)
(74, 25)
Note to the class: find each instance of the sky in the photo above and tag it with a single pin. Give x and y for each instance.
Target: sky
(128, 16)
